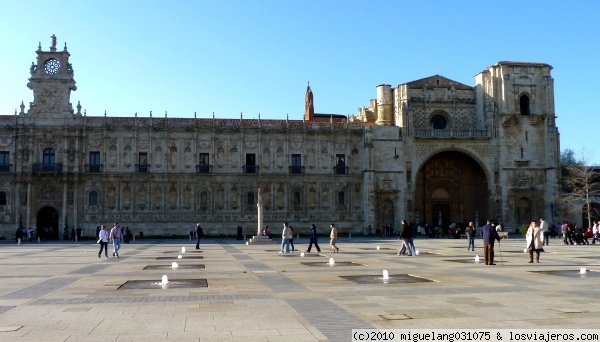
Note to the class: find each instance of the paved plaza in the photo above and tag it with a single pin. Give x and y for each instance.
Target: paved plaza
(64, 292)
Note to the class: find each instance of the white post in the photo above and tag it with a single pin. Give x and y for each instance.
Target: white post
(39, 238)
(19, 241)
(259, 212)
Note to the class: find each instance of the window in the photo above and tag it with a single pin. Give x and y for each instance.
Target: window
(438, 121)
(203, 159)
(4, 161)
(340, 164)
(2, 198)
(250, 198)
(93, 198)
(524, 104)
(94, 165)
(250, 166)
(341, 198)
(296, 163)
(203, 163)
(143, 162)
(49, 156)
(297, 198)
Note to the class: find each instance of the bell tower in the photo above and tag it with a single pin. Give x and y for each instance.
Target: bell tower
(51, 81)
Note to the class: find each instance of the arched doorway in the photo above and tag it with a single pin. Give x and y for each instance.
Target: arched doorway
(451, 187)
(385, 213)
(47, 223)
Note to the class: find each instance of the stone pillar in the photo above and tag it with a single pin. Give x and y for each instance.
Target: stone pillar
(28, 216)
(259, 212)
(61, 223)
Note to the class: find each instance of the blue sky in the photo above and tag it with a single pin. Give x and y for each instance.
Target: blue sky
(250, 57)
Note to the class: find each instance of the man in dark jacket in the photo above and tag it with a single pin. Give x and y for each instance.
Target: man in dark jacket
(313, 238)
(489, 235)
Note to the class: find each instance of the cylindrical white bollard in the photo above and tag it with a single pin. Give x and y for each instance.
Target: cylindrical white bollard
(349, 235)
(19, 241)
(39, 238)
(298, 236)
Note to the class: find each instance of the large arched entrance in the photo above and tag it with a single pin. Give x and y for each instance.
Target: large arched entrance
(451, 188)
(47, 223)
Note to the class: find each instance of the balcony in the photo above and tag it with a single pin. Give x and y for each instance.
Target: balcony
(47, 167)
(142, 168)
(204, 168)
(90, 168)
(452, 134)
(341, 170)
(5, 167)
(250, 169)
(296, 169)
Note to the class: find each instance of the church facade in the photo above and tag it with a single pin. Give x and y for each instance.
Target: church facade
(431, 151)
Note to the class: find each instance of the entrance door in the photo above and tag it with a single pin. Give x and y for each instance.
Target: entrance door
(47, 223)
(441, 215)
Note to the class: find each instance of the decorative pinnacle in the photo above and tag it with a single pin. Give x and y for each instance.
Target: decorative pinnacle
(39, 46)
(65, 49)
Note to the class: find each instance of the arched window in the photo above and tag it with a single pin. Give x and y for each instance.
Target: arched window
(341, 198)
(49, 156)
(296, 198)
(250, 198)
(93, 198)
(438, 121)
(524, 104)
(2, 198)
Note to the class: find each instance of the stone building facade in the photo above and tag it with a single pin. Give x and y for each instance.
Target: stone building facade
(433, 150)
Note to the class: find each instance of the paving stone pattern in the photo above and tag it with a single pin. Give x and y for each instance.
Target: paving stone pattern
(64, 292)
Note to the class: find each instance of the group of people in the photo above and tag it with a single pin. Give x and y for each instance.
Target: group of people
(534, 240)
(574, 235)
(287, 238)
(114, 236)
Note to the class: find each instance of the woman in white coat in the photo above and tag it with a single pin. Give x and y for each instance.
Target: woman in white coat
(535, 241)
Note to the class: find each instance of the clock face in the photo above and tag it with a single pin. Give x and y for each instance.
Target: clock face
(51, 66)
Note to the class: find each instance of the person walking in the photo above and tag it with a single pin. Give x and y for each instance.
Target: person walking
(103, 241)
(292, 239)
(313, 239)
(286, 234)
(116, 235)
(407, 236)
(545, 227)
(470, 232)
(535, 241)
(369, 231)
(199, 234)
(333, 239)
(489, 236)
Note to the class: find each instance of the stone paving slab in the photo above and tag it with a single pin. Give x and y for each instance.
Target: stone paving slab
(64, 292)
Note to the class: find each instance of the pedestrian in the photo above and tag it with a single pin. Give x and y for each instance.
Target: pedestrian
(489, 236)
(313, 239)
(407, 236)
(470, 233)
(78, 232)
(292, 239)
(116, 235)
(199, 234)
(19, 235)
(103, 241)
(535, 241)
(333, 239)
(369, 231)
(286, 234)
(545, 227)
(239, 232)
(129, 234)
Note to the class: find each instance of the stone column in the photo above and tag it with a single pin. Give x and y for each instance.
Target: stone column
(61, 225)
(28, 216)
(259, 212)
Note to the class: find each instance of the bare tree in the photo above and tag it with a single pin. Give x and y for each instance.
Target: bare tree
(580, 183)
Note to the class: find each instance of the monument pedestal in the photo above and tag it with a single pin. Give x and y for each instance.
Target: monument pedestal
(260, 240)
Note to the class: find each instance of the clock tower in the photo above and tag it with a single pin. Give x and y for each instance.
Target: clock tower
(51, 81)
